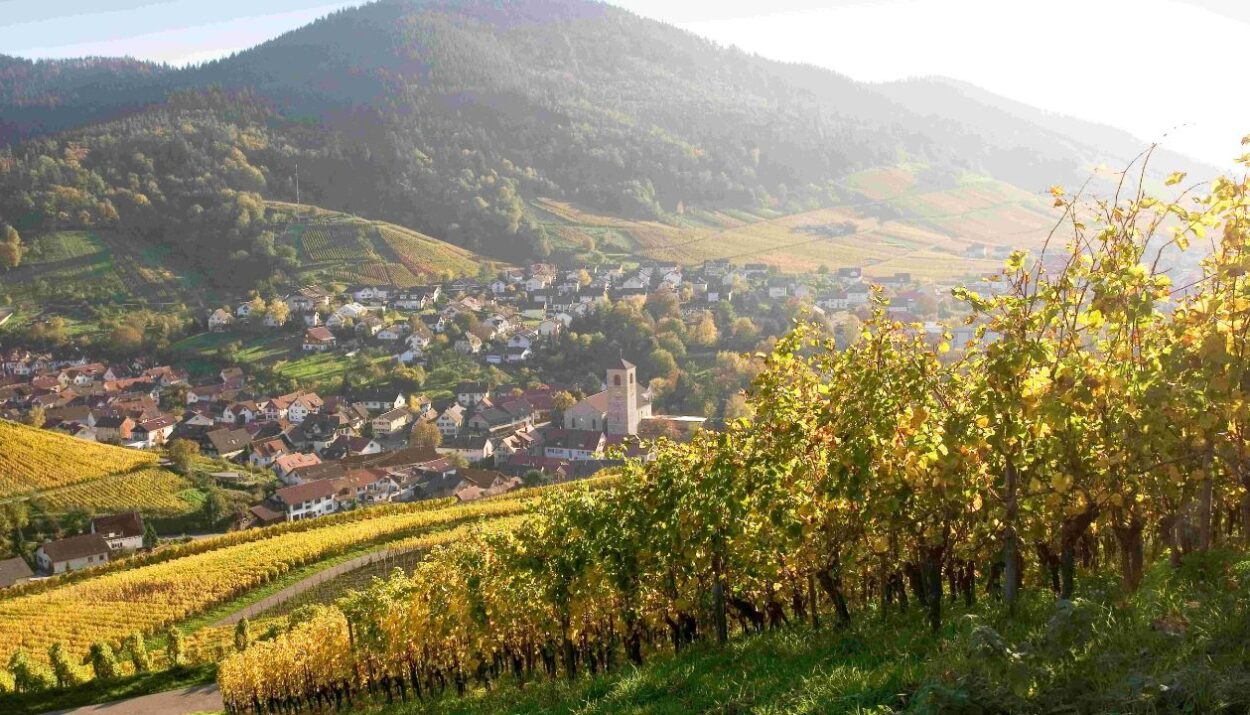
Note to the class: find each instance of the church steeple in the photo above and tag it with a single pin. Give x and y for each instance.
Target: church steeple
(622, 415)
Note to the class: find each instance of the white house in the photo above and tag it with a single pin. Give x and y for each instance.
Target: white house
(319, 340)
(308, 500)
(73, 553)
(120, 531)
(450, 421)
(219, 320)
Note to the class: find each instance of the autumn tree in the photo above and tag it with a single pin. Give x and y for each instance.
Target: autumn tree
(425, 434)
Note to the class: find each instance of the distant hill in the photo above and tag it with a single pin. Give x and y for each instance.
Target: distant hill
(459, 119)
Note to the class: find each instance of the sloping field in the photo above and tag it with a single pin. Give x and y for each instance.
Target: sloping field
(427, 257)
(155, 492)
(898, 220)
(149, 597)
(33, 460)
(342, 248)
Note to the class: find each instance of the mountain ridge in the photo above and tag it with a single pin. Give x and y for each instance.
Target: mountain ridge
(454, 118)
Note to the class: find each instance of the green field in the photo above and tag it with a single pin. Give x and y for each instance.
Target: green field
(339, 248)
(282, 351)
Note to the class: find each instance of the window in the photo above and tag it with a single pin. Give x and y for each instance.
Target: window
(616, 380)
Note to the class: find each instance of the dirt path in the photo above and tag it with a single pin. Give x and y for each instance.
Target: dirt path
(297, 588)
(195, 699)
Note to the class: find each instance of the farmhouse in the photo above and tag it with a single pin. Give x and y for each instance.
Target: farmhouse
(319, 339)
(391, 422)
(121, 531)
(14, 572)
(219, 320)
(71, 554)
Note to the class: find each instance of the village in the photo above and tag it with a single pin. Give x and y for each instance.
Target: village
(334, 451)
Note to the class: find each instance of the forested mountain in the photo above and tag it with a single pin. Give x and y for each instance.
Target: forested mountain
(448, 116)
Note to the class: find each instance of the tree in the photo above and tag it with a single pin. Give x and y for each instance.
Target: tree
(138, 651)
(182, 453)
(744, 332)
(705, 334)
(242, 634)
(215, 507)
(278, 311)
(29, 675)
(126, 339)
(457, 460)
(562, 401)
(256, 309)
(175, 647)
(425, 434)
(10, 249)
(103, 661)
(35, 417)
(150, 538)
(660, 363)
(67, 672)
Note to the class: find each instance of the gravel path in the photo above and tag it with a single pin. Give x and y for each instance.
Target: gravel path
(296, 589)
(195, 699)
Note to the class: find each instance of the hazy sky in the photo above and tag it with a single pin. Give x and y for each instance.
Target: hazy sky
(1153, 67)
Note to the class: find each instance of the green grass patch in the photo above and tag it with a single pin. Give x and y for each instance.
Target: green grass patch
(105, 692)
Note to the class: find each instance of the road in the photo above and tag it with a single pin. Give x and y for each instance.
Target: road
(195, 699)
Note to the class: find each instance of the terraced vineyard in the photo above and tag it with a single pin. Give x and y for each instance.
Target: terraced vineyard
(150, 596)
(335, 241)
(156, 492)
(339, 247)
(34, 460)
(427, 257)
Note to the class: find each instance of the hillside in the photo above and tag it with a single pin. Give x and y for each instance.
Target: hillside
(461, 119)
(33, 460)
(61, 474)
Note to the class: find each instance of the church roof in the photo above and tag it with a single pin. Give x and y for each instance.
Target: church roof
(621, 364)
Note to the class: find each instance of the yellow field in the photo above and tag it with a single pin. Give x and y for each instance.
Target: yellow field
(212, 642)
(149, 597)
(33, 459)
(152, 491)
(938, 226)
(426, 257)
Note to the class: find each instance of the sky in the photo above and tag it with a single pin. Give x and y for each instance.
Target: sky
(1157, 68)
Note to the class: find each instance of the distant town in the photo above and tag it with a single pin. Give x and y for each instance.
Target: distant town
(521, 416)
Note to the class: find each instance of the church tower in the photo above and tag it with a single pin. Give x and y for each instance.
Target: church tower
(622, 399)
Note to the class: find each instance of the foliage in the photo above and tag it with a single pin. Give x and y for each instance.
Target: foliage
(103, 661)
(1095, 400)
(110, 606)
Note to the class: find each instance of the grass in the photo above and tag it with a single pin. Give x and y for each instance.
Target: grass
(340, 248)
(63, 246)
(1104, 652)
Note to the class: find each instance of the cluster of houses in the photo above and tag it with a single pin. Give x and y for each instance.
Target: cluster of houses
(107, 538)
(118, 404)
(407, 321)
